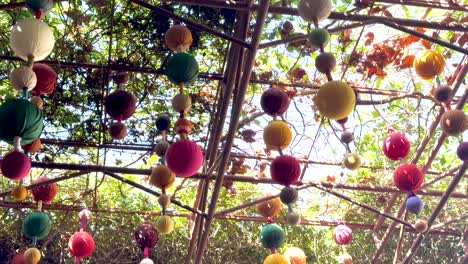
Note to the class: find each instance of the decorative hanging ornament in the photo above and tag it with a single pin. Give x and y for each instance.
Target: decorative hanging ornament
(184, 158)
(161, 148)
(429, 64)
(117, 130)
(33, 147)
(164, 224)
(23, 78)
(45, 193)
(19, 193)
(293, 218)
(319, 37)
(288, 195)
(32, 256)
(163, 123)
(272, 236)
(314, 10)
(120, 78)
(295, 255)
(37, 101)
(182, 68)
(443, 93)
(335, 100)
(414, 204)
(18, 258)
(46, 79)
(325, 62)
(146, 236)
(183, 126)
(146, 261)
(43, 5)
(85, 217)
(120, 105)
(352, 161)
(36, 225)
(420, 226)
(161, 176)
(275, 258)
(81, 244)
(396, 146)
(274, 101)
(32, 39)
(164, 200)
(346, 137)
(462, 151)
(182, 103)
(178, 38)
(15, 165)
(408, 177)
(454, 122)
(285, 170)
(345, 258)
(269, 208)
(342, 235)
(277, 135)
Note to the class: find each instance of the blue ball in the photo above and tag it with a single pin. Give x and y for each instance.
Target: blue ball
(414, 204)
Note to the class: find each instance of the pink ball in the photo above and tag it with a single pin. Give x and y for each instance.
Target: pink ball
(285, 170)
(342, 235)
(396, 146)
(15, 165)
(408, 177)
(184, 158)
(45, 193)
(81, 244)
(18, 258)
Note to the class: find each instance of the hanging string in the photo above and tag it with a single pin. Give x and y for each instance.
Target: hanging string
(181, 87)
(30, 61)
(25, 92)
(17, 143)
(273, 250)
(146, 252)
(77, 260)
(38, 13)
(290, 208)
(34, 241)
(39, 205)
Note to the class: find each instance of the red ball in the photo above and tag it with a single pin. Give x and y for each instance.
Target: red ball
(120, 105)
(18, 258)
(46, 79)
(274, 101)
(184, 158)
(285, 170)
(120, 78)
(45, 193)
(15, 165)
(408, 177)
(342, 235)
(81, 244)
(396, 146)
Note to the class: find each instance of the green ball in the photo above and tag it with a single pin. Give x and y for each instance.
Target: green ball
(36, 225)
(182, 68)
(272, 236)
(21, 118)
(319, 37)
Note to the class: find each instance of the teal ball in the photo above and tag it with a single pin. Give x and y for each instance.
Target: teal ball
(36, 225)
(319, 37)
(272, 236)
(182, 68)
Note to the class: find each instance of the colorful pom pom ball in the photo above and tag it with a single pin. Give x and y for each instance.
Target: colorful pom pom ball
(311, 10)
(182, 68)
(23, 78)
(345, 258)
(15, 165)
(37, 101)
(352, 161)
(85, 215)
(288, 195)
(32, 37)
(178, 38)
(454, 122)
(45, 193)
(319, 37)
(184, 158)
(346, 137)
(183, 126)
(161, 148)
(325, 62)
(32, 256)
(396, 146)
(295, 255)
(277, 135)
(414, 204)
(164, 224)
(117, 130)
(182, 103)
(36, 225)
(269, 208)
(462, 151)
(443, 93)
(120, 105)
(161, 176)
(33, 147)
(81, 244)
(342, 235)
(429, 64)
(275, 258)
(408, 177)
(164, 200)
(19, 193)
(420, 226)
(120, 78)
(163, 122)
(272, 236)
(335, 100)
(285, 170)
(146, 236)
(18, 258)
(293, 218)
(46, 79)
(146, 261)
(43, 5)
(274, 101)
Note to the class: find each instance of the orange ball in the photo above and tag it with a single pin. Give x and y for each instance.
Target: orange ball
(429, 64)
(19, 193)
(33, 147)
(183, 126)
(270, 208)
(161, 176)
(295, 255)
(178, 38)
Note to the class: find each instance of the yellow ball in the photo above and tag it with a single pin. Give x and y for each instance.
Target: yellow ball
(429, 64)
(32, 256)
(277, 135)
(164, 224)
(335, 100)
(275, 259)
(352, 161)
(181, 103)
(295, 255)
(161, 176)
(19, 193)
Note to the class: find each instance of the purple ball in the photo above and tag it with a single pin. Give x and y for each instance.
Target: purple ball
(414, 204)
(462, 151)
(146, 236)
(274, 101)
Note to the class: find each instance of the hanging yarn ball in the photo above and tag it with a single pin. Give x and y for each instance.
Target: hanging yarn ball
(345, 258)
(462, 151)
(396, 146)
(81, 244)
(146, 261)
(443, 93)
(182, 68)
(44, 5)
(314, 9)
(285, 170)
(429, 64)
(275, 258)
(45, 193)
(295, 255)
(270, 208)
(346, 137)
(146, 236)
(272, 236)
(37, 101)
(335, 100)
(342, 235)
(408, 177)
(420, 225)
(32, 256)
(161, 148)
(414, 204)
(20, 118)
(23, 78)
(182, 103)
(18, 258)
(274, 101)
(183, 126)
(352, 161)
(454, 122)
(184, 158)
(277, 135)
(120, 105)
(164, 200)
(178, 38)
(163, 122)
(288, 195)
(164, 224)
(19, 193)
(293, 218)
(46, 79)
(36, 225)
(85, 215)
(325, 62)
(32, 37)
(118, 130)
(161, 176)
(319, 37)
(120, 78)
(15, 165)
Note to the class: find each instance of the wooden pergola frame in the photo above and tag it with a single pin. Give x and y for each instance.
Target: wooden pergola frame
(234, 83)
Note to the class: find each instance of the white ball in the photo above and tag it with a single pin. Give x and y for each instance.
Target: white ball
(32, 37)
(146, 261)
(308, 9)
(23, 77)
